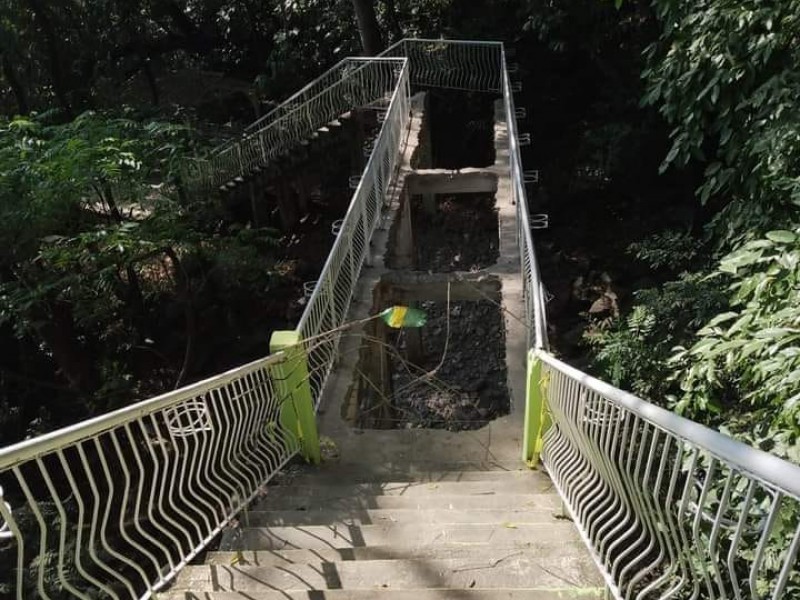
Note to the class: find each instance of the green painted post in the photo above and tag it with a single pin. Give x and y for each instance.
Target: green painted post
(297, 406)
(536, 421)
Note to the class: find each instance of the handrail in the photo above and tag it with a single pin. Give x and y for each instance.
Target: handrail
(357, 194)
(757, 464)
(291, 99)
(290, 123)
(329, 303)
(535, 308)
(120, 503)
(33, 448)
(667, 507)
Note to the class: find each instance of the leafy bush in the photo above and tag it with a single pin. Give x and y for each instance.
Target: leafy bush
(752, 350)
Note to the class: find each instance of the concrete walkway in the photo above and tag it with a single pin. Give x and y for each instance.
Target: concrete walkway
(411, 514)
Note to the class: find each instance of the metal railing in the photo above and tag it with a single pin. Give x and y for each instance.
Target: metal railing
(120, 503)
(535, 313)
(352, 83)
(669, 508)
(330, 302)
(475, 66)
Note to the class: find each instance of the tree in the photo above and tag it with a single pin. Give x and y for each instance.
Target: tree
(368, 27)
(723, 75)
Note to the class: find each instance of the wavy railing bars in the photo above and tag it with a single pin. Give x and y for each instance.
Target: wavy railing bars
(120, 503)
(671, 509)
(352, 83)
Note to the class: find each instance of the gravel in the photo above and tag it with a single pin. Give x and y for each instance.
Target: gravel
(462, 388)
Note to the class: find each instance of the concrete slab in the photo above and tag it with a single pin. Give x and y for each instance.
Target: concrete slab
(496, 501)
(394, 515)
(337, 473)
(403, 535)
(510, 570)
(367, 553)
(409, 489)
(387, 594)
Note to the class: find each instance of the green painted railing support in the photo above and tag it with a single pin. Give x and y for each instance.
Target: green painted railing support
(536, 419)
(294, 389)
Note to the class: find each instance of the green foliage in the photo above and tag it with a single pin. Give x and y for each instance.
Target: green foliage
(634, 351)
(723, 74)
(672, 249)
(754, 347)
(103, 267)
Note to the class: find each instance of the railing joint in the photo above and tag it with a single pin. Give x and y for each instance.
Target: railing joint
(531, 177)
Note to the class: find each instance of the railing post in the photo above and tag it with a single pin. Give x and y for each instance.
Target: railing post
(536, 421)
(294, 390)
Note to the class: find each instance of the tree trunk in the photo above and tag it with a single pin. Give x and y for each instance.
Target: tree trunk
(59, 84)
(16, 86)
(184, 288)
(368, 27)
(391, 19)
(56, 328)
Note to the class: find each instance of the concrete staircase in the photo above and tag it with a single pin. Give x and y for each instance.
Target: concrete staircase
(410, 514)
(419, 530)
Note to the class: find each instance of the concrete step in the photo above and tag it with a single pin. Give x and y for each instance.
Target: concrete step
(402, 515)
(278, 499)
(403, 535)
(277, 558)
(387, 594)
(337, 474)
(415, 489)
(512, 570)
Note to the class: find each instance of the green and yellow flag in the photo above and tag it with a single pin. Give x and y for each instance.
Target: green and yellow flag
(398, 317)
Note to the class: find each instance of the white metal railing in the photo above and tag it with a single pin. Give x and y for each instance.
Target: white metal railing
(669, 508)
(118, 504)
(329, 304)
(535, 313)
(475, 66)
(352, 83)
(465, 65)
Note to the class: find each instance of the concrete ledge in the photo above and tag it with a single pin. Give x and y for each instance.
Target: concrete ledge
(409, 286)
(490, 572)
(443, 181)
(388, 594)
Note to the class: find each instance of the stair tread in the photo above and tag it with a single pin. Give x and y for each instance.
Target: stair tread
(388, 594)
(369, 553)
(401, 534)
(354, 474)
(502, 571)
(403, 515)
(497, 501)
(520, 485)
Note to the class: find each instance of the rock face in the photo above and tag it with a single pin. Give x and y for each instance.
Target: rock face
(460, 383)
